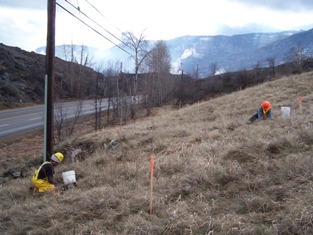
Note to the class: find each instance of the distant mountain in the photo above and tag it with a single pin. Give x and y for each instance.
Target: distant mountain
(281, 48)
(229, 53)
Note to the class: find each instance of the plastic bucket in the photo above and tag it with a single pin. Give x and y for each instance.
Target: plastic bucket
(69, 177)
(285, 112)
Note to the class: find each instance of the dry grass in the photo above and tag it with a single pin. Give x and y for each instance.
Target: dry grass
(214, 174)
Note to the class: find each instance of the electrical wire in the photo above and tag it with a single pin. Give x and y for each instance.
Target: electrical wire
(105, 17)
(93, 28)
(78, 8)
(96, 9)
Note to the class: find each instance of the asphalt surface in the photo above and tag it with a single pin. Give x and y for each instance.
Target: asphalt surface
(15, 122)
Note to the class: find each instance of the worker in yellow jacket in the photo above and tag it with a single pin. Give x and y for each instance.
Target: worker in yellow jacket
(43, 176)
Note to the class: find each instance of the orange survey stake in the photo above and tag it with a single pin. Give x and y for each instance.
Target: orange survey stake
(151, 182)
(151, 164)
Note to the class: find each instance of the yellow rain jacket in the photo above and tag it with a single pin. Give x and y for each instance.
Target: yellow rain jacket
(43, 176)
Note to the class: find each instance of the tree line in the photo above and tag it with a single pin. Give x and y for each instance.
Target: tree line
(118, 95)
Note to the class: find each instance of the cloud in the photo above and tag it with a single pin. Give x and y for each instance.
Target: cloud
(293, 5)
(248, 28)
(24, 31)
(23, 22)
(30, 4)
(256, 17)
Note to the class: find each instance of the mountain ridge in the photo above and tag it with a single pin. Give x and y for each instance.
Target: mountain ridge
(229, 53)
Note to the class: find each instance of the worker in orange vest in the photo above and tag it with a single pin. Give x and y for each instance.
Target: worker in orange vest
(264, 112)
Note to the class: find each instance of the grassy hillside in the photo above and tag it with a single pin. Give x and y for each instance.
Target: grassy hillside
(213, 173)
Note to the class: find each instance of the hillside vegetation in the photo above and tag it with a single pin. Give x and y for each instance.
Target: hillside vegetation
(214, 174)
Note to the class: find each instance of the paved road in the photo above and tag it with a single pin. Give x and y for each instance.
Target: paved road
(19, 121)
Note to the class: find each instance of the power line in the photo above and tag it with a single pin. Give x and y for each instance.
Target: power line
(79, 10)
(104, 16)
(92, 28)
(96, 9)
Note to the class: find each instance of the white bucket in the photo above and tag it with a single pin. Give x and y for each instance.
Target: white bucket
(69, 177)
(285, 112)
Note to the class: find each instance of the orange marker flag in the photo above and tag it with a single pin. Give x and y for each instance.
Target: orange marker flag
(300, 102)
(116, 131)
(151, 182)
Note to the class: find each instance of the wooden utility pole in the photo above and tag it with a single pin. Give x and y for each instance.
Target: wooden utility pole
(50, 55)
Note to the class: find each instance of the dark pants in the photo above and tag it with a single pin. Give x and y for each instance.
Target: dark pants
(253, 117)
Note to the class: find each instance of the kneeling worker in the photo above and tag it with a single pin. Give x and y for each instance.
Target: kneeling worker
(264, 112)
(43, 176)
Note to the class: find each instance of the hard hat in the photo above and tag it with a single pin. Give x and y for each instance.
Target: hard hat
(57, 157)
(266, 105)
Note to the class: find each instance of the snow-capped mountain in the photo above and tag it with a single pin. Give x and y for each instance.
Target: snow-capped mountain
(228, 53)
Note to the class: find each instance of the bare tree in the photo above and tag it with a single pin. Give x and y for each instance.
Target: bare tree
(242, 79)
(65, 125)
(99, 93)
(59, 117)
(69, 71)
(77, 115)
(297, 57)
(112, 88)
(159, 60)
(272, 64)
(159, 82)
(140, 51)
(255, 75)
(195, 72)
(117, 100)
(213, 68)
(77, 80)
(76, 70)
(85, 60)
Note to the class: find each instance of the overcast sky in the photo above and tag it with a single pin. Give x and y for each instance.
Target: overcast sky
(23, 23)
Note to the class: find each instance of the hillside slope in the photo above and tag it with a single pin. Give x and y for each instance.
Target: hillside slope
(213, 173)
(22, 77)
